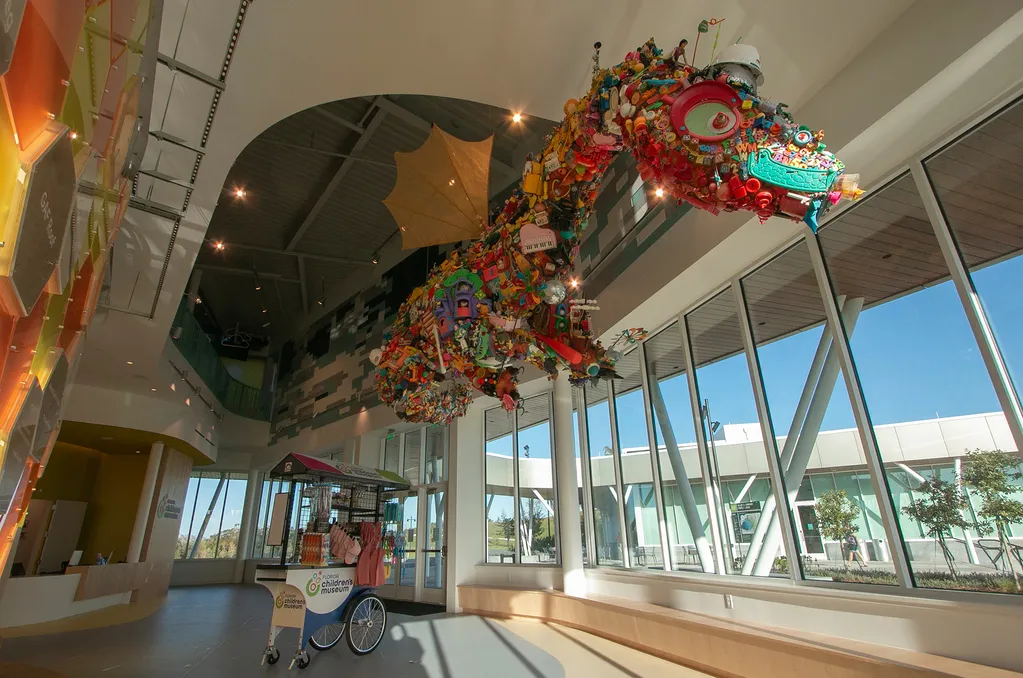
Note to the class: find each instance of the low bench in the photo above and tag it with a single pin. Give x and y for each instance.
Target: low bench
(720, 647)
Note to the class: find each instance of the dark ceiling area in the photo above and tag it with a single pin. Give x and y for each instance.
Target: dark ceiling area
(301, 210)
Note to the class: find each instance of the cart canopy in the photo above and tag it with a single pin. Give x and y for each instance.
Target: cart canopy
(303, 467)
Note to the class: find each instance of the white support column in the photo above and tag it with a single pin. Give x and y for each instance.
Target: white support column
(685, 490)
(568, 490)
(897, 549)
(807, 438)
(138, 530)
(253, 491)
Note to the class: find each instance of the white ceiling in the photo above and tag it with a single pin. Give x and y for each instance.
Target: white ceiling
(531, 55)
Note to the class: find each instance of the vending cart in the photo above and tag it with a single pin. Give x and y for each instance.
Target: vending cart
(328, 525)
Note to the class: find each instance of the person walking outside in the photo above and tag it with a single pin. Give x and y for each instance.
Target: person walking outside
(852, 548)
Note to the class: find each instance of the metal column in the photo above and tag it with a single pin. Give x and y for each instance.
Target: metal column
(701, 444)
(655, 466)
(862, 417)
(975, 313)
(584, 471)
(767, 430)
(616, 460)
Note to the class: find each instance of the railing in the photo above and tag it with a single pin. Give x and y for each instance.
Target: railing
(196, 348)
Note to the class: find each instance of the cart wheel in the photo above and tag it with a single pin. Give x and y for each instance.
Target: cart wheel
(302, 661)
(272, 655)
(327, 636)
(366, 623)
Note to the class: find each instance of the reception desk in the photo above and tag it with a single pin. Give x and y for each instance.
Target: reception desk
(47, 598)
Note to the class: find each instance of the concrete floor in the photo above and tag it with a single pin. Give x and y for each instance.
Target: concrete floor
(221, 631)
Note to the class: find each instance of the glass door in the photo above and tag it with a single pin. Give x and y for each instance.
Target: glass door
(400, 582)
(416, 524)
(434, 545)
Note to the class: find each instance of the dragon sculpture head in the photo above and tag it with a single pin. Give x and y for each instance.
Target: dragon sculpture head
(702, 136)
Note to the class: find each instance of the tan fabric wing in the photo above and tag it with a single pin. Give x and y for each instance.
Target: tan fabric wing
(441, 192)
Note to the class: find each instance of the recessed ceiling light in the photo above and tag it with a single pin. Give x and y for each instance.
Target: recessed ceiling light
(219, 245)
(188, 401)
(239, 192)
(516, 117)
(173, 387)
(451, 183)
(130, 362)
(152, 389)
(138, 451)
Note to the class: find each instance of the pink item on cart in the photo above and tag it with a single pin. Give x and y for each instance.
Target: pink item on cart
(343, 546)
(370, 570)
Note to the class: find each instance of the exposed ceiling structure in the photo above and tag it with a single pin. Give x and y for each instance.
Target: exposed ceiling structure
(232, 70)
(301, 210)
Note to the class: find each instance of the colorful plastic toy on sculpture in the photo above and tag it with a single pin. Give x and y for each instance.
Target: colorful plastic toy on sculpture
(703, 136)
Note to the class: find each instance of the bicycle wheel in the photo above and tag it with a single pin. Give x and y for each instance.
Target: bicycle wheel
(366, 623)
(327, 636)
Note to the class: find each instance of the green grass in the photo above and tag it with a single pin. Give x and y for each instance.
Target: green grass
(972, 581)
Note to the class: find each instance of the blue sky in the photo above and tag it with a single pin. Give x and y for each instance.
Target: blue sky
(916, 357)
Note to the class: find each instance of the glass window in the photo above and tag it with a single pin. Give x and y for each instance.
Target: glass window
(642, 528)
(213, 507)
(606, 526)
(728, 415)
(392, 449)
(413, 452)
(537, 531)
(836, 525)
(980, 200)
(520, 484)
(577, 443)
(436, 451)
(685, 503)
(262, 518)
(500, 486)
(185, 527)
(926, 387)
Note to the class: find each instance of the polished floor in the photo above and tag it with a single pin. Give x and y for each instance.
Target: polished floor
(203, 632)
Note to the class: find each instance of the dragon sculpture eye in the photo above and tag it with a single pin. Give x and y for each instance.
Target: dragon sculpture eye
(707, 111)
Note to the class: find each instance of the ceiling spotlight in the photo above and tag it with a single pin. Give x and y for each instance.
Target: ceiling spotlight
(264, 310)
(516, 117)
(266, 324)
(152, 389)
(239, 193)
(173, 387)
(659, 192)
(138, 451)
(258, 287)
(74, 135)
(451, 183)
(218, 245)
(321, 301)
(574, 282)
(376, 258)
(188, 401)
(198, 300)
(130, 362)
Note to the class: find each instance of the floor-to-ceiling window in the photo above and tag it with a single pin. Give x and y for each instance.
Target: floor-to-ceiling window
(641, 522)
(682, 486)
(728, 415)
(607, 531)
(521, 502)
(836, 524)
(921, 370)
(212, 515)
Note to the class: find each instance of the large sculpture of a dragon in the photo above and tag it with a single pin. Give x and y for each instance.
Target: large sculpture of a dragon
(703, 136)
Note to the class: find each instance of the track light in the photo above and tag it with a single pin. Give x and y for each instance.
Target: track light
(376, 258)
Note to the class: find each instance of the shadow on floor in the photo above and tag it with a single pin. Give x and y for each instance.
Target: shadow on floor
(215, 631)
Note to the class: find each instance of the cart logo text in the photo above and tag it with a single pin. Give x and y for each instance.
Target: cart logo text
(328, 583)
